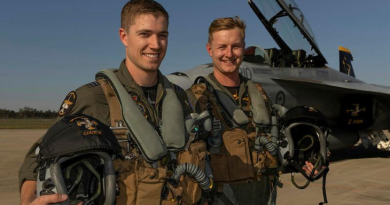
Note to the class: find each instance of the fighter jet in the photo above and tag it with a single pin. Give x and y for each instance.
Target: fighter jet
(296, 74)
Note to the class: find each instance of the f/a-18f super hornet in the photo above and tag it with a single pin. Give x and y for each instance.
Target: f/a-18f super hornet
(296, 74)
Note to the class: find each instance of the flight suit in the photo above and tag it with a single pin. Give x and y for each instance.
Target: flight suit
(90, 100)
(241, 173)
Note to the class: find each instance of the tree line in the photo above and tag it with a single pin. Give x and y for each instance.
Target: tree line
(28, 112)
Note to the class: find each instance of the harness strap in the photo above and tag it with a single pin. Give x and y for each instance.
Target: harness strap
(259, 106)
(139, 129)
(228, 105)
(116, 119)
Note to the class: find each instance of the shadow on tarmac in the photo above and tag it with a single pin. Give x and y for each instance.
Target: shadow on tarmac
(358, 152)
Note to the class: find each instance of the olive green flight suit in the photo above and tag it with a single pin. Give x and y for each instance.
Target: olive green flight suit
(91, 101)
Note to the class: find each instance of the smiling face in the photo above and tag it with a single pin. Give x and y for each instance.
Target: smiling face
(146, 42)
(226, 48)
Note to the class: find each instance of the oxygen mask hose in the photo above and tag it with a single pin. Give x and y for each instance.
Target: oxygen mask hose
(296, 185)
(308, 147)
(269, 145)
(205, 182)
(301, 151)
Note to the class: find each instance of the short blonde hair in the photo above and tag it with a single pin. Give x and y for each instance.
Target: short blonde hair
(135, 8)
(226, 23)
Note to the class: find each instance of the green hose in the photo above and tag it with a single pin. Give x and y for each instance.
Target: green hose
(315, 165)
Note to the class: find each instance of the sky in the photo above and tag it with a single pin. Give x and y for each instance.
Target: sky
(51, 47)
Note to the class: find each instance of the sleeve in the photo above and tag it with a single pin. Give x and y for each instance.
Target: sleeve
(27, 170)
(87, 101)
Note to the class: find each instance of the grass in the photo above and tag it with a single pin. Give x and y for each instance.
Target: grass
(26, 123)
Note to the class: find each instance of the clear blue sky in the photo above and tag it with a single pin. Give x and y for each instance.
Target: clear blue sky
(48, 48)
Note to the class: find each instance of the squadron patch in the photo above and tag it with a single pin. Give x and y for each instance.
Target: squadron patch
(67, 104)
(89, 125)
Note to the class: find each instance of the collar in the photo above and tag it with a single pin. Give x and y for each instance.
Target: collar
(129, 83)
(241, 91)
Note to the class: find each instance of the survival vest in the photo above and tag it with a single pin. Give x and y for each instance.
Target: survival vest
(142, 176)
(237, 156)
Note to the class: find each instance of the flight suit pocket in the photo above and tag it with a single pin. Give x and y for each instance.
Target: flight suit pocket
(150, 183)
(219, 165)
(238, 156)
(126, 182)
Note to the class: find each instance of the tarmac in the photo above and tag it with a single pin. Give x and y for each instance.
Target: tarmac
(357, 176)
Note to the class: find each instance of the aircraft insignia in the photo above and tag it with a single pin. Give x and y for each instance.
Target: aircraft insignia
(280, 98)
(356, 111)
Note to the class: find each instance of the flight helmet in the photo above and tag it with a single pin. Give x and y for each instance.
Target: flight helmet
(304, 131)
(76, 158)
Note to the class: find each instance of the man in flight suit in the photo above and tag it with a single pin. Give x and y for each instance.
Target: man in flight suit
(144, 33)
(243, 175)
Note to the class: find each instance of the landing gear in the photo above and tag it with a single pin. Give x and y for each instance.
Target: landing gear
(376, 138)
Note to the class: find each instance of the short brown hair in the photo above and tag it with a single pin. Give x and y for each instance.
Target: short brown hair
(226, 23)
(134, 8)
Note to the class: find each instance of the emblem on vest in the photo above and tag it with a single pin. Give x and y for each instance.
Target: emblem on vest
(141, 106)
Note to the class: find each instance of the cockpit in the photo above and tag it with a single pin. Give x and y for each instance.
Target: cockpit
(290, 30)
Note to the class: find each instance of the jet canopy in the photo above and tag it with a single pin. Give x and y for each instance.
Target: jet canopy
(288, 26)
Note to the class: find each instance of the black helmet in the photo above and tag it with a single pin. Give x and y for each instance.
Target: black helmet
(76, 158)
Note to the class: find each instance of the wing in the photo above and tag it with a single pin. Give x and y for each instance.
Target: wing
(359, 105)
(343, 87)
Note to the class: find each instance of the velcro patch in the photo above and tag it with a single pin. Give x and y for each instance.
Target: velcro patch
(67, 104)
(92, 84)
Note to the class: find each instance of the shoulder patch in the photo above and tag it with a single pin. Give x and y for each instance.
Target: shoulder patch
(92, 84)
(68, 104)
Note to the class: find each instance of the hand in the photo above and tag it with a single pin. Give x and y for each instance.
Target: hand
(28, 197)
(308, 167)
(49, 199)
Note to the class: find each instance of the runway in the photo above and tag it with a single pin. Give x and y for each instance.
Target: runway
(357, 176)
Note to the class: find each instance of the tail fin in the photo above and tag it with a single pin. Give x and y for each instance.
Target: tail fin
(345, 61)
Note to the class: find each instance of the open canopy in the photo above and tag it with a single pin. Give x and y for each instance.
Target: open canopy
(288, 26)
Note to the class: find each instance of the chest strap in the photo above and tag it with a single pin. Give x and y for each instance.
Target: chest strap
(152, 146)
(230, 107)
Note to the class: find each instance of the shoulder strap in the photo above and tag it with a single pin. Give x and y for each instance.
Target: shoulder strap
(172, 128)
(259, 106)
(116, 119)
(144, 135)
(229, 107)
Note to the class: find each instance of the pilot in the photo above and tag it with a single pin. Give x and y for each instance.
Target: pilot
(144, 33)
(243, 173)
